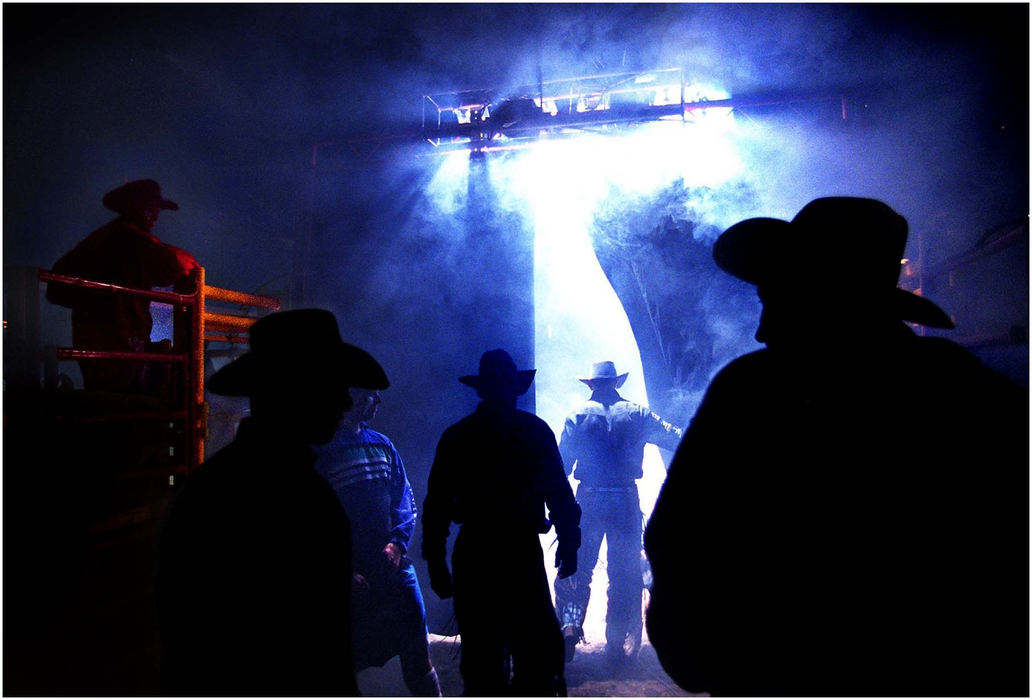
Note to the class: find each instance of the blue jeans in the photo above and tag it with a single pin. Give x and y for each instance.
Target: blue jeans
(389, 620)
(615, 515)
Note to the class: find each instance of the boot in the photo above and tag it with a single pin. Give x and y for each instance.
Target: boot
(571, 635)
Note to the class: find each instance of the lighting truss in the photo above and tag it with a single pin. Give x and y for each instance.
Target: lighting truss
(494, 119)
(497, 119)
(502, 119)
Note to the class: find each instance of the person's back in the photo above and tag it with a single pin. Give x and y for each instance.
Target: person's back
(847, 513)
(494, 473)
(498, 482)
(866, 537)
(256, 576)
(606, 437)
(603, 445)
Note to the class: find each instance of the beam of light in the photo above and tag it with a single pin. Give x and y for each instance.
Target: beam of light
(559, 183)
(449, 185)
(580, 320)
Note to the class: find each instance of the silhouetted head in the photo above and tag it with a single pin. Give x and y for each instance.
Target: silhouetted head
(498, 378)
(298, 371)
(140, 201)
(603, 376)
(365, 404)
(830, 271)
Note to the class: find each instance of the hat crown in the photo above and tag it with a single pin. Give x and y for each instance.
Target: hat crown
(498, 375)
(603, 370)
(301, 331)
(138, 194)
(497, 367)
(863, 239)
(300, 347)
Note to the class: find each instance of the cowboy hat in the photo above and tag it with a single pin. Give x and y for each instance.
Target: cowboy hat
(135, 195)
(498, 373)
(604, 370)
(859, 242)
(299, 346)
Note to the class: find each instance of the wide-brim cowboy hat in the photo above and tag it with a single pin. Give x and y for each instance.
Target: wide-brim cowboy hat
(137, 195)
(604, 370)
(849, 245)
(299, 347)
(498, 373)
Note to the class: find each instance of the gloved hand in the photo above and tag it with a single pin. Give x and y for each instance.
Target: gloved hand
(440, 579)
(566, 560)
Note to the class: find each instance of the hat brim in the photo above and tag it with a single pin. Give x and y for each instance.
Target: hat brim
(524, 378)
(620, 379)
(168, 204)
(347, 365)
(751, 248)
(919, 310)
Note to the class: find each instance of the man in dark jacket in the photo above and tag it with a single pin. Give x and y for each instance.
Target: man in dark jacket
(494, 473)
(123, 252)
(254, 572)
(603, 445)
(848, 511)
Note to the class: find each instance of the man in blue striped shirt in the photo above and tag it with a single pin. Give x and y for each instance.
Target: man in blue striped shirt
(389, 618)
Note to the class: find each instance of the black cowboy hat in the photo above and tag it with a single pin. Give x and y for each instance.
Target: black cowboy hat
(498, 372)
(136, 195)
(856, 242)
(300, 346)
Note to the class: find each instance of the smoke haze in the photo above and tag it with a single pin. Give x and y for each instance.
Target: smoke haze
(223, 105)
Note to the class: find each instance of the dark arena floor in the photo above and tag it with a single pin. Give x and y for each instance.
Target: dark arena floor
(588, 675)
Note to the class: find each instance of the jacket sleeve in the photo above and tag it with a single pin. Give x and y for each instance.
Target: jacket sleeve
(438, 505)
(403, 503)
(568, 445)
(163, 264)
(563, 509)
(660, 432)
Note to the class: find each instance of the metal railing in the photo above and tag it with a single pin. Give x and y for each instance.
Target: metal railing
(193, 327)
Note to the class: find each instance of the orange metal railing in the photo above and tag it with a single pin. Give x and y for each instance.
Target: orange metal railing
(193, 327)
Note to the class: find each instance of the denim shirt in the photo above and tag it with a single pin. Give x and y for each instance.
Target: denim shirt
(603, 441)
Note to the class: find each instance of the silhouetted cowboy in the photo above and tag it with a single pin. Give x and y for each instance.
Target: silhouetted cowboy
(124, 252)
(602, 444)
(255, 557)
(848, 511)
(494, 473)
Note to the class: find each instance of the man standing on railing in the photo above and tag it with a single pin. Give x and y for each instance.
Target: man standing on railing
(124, 252)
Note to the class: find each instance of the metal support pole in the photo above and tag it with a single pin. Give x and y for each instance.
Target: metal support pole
(195, 387)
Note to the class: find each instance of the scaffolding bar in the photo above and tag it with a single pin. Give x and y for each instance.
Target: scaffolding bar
(152, 294)
(234, 297)
(226, 322)
(77, 354)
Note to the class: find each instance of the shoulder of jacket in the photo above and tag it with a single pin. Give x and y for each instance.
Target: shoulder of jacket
(377, 436)
(757, 360)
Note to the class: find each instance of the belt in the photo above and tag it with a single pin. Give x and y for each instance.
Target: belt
(608, 489)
